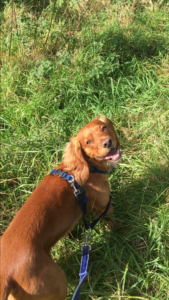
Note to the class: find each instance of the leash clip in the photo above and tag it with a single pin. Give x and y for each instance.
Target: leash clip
(72, 183)
(86, 238)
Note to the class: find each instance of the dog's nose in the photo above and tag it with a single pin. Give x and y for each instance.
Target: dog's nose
(107, 143)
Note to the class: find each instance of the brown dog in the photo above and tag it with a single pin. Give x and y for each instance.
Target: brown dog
(27, 270)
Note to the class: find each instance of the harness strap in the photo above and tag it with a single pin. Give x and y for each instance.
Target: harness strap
(96, 170)
(93, 224)
(80, 194)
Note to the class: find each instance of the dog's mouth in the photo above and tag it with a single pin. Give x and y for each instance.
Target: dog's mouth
(113, 155)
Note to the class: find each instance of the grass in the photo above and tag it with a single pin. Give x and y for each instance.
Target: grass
(62, 63)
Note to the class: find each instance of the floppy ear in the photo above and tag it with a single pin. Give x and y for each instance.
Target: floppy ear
(75, 162)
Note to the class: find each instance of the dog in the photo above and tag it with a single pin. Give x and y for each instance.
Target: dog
(27, 270)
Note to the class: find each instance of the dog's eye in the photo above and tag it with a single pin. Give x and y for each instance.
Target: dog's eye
(89, 142)
(104, 128)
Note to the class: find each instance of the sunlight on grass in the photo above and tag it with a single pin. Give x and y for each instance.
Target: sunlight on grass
(62, 63)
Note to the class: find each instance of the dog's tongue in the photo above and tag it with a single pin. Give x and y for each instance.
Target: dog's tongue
(113, 154)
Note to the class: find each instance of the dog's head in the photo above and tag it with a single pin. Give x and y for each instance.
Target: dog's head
(96, 144)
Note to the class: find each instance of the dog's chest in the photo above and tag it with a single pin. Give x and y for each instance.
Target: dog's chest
(97, 187)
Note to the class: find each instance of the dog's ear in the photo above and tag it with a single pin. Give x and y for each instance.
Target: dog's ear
(74, 161)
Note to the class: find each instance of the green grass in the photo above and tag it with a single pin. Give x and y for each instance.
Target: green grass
(62, 64)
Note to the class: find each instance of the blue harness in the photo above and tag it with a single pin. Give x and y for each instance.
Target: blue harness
(82, 200)
(80, 194)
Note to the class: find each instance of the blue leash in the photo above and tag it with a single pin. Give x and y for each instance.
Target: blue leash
(83, 269)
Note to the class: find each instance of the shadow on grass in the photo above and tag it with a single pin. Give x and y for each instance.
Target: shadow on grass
(124, 260)
(142, 38)
(130, 57)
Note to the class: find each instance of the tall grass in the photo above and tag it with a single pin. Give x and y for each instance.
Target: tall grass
(62, 63)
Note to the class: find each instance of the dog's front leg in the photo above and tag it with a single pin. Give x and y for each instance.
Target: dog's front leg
(109, 219)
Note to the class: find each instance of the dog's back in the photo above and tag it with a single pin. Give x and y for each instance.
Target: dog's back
(6, 281)
(27, 241)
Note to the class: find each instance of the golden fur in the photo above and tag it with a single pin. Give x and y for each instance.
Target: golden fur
(27, 270)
